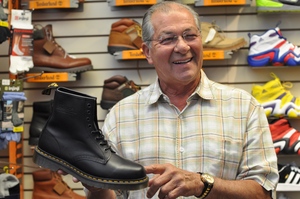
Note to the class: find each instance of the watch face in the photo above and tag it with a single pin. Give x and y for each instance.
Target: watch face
(208, 178)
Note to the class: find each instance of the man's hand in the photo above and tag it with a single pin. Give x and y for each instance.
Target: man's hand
(172, 182)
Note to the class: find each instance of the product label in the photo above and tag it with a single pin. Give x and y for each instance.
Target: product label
(135, 2)
(46, 4)
(223, 2)
(133, 54)
(213, 55)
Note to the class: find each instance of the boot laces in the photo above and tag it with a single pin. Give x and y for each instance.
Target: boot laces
(100, 138)
(217, 28)
(51, 38)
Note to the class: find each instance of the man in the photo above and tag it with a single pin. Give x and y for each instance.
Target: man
(184, 123)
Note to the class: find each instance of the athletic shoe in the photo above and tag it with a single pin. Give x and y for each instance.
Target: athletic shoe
(271, 48)
(276, 6)
(291, 2)
(286, 139)
(289, 174)
(276, 100)
(212, 39)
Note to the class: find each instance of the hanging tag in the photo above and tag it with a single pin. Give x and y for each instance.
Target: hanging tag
(211, 35)
(49, 47)
(21, 19)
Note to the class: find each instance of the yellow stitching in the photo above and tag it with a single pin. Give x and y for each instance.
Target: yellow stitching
(93, 178)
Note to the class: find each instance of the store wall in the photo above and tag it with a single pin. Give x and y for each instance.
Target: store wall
(84, 32)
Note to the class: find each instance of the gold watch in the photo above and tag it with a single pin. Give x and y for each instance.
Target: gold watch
(208, 181)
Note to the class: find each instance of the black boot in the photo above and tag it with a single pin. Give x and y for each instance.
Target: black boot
(41, 113)
(72, 141)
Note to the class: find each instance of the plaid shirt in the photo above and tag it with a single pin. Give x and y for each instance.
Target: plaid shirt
(222, 131)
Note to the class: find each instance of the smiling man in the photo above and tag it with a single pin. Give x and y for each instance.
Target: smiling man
(196, 138)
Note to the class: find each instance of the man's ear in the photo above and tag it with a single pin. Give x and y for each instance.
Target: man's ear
(147, 53)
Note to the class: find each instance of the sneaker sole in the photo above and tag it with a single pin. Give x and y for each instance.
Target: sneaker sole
(53, 163)
(231, 48)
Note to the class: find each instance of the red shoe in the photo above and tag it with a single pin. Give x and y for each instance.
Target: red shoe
(286, 139)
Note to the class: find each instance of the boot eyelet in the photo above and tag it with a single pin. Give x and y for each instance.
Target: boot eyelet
(87, 119)
(88, 112)
(89, 125)
(88, 105)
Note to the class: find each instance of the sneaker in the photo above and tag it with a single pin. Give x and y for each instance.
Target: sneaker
(286, 139)
(276, 100)
(277, 6)
(289, 174)
(271, 48)
(212, 39)
(125, 34)
(116, 88)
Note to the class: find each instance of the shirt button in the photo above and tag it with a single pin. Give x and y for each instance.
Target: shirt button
(181, 149)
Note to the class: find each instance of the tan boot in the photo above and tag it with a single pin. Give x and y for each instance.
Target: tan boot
(212, 39)
(50, 185)
(49, 56)
(125, 34)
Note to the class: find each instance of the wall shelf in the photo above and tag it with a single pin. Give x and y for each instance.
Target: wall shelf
(207, 55)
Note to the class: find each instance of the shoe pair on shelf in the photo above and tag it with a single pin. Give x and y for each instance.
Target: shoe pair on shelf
(126, 34)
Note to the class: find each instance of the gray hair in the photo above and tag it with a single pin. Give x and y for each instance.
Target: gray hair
(164, 6)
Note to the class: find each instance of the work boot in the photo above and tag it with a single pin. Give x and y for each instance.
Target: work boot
(72, 141)
(212, 39)
(49, 56)
(41, 113)
(116, 88)
(50, 185)
(125, 34)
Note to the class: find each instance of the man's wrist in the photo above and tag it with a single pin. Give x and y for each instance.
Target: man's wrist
(208, 182)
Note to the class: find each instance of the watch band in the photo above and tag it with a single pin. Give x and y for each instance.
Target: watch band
(207, 187)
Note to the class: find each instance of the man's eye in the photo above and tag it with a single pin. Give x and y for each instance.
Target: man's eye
(167, 40)
(190, 37)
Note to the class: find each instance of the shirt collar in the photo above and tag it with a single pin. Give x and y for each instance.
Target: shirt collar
(203, 90)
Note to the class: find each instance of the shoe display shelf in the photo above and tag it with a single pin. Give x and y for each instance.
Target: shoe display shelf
(221, 2)
(277, 6)
(51, 77)
(124, 3)
(207, 55)
(49, 4)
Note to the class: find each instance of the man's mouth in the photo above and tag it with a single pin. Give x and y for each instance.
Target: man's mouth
(183, 61)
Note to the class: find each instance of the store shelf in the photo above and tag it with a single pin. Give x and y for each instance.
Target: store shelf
(50, 4)
(207, 55)
(222, 2)
(132, 2)
(50, 77)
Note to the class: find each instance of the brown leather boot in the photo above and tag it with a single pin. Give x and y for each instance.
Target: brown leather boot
(50, 185)
(49, 56)
(125, 34)
(116, 88)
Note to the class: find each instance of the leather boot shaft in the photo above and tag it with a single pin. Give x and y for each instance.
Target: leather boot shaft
(41, 113)
(73, 142)
(49, 56)
(50, 185)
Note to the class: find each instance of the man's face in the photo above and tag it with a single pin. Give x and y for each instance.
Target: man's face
(176, 51)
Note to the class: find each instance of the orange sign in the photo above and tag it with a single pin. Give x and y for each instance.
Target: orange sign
(223, 2)
(135, 2)
(49, 77)
(213, 54)
(48, 4)
(133, 54)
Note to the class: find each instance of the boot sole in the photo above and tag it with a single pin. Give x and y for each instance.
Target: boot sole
(53, 163)
(231, 48)
(69, 70)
